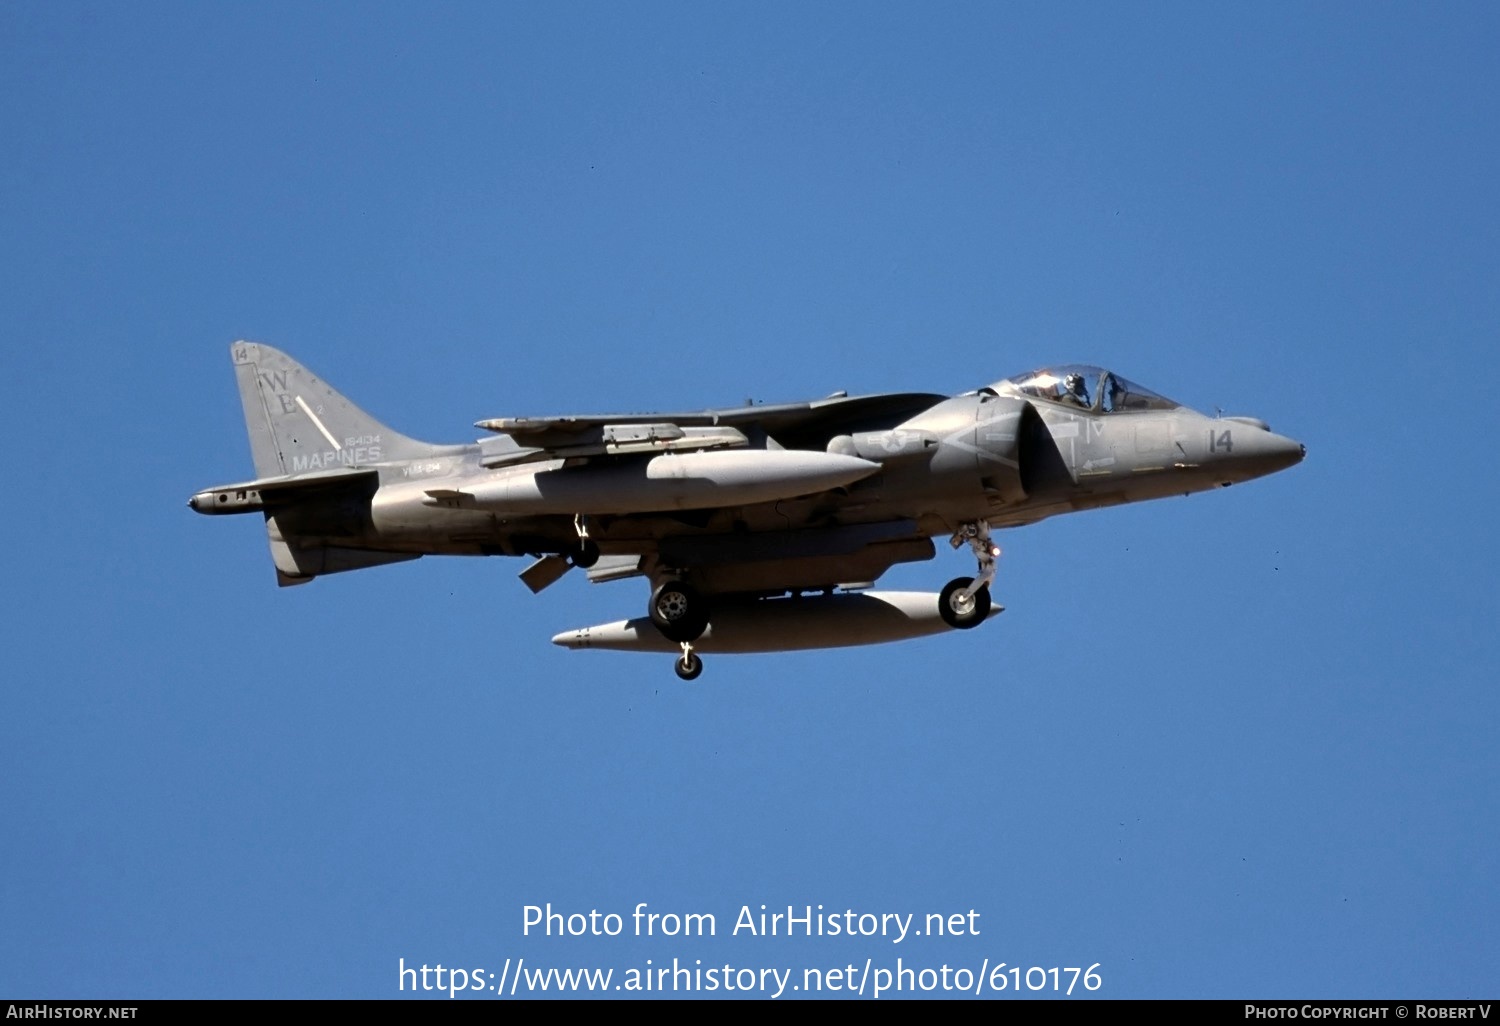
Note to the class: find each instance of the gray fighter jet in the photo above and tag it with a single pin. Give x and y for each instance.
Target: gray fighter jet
(760, 528)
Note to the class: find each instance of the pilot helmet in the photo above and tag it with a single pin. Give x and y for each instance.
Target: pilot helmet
(1074, 382)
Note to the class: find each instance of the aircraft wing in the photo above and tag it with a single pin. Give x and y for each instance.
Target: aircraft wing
(804, 425)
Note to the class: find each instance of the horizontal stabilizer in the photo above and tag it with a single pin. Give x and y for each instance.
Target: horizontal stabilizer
(257, 495)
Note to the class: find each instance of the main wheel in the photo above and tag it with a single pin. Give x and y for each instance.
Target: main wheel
(960, 611)
(678, 611)
(689, 666)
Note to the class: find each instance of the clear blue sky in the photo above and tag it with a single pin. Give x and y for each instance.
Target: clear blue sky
(1241, 744)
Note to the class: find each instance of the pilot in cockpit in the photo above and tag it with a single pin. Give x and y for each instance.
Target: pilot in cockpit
(1076, 391)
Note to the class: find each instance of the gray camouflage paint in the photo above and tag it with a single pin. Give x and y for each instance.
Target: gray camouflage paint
(741, 503)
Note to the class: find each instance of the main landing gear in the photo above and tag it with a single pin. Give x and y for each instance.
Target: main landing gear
(679, 611)
(690, 665)
(965, 601)
(681, 614)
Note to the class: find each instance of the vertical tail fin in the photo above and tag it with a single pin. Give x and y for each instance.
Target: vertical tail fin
(297, 423)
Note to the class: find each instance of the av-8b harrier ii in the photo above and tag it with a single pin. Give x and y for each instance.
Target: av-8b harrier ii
(760, 528)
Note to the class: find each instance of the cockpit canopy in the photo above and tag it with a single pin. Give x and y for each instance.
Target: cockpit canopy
(1083, 386)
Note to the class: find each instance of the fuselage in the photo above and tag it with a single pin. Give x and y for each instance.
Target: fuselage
(759, 528)
(1012, 453)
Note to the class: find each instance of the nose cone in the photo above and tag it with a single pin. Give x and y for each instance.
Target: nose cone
(1258, 453)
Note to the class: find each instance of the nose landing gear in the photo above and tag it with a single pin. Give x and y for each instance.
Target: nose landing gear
(965, 601)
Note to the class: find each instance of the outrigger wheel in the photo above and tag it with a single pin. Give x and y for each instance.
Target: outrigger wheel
(679, 612)
(959, 609)
(584, 554)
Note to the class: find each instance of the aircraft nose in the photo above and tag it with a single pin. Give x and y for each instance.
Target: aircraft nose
(1289, 450)
(1265, 452)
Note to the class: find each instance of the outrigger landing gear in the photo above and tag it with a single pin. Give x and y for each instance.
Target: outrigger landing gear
(585, 553)
(965, 601)
(690, 665)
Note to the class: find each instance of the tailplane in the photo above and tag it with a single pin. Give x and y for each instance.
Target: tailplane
(299, 424)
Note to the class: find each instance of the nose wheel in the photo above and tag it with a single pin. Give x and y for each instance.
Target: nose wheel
(959, 608)
(965, 601)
